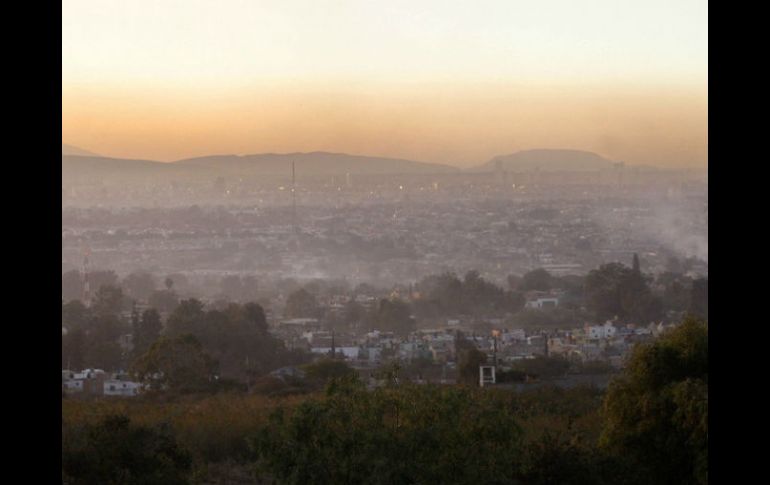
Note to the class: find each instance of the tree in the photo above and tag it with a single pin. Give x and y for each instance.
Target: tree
(699, 298)
(447, 289)
(108, 300)
(116, 452)
(301, 304)
(393, 316)
(99, 278)
(469, 359)
(673, 265)
(542, 366)
(254, 316)
(101, 348)
(146, 331)
(235, 335)
(353, 313)
(538, 279)
(74, 314)
(103, 354)
(616, 290)
(657, 411)
(177, 363)
(482, 297)
(393, 435)
(676, 291)
(186, 318)
(73, 347)
(246, 348)
(326, 369)
(602, 290)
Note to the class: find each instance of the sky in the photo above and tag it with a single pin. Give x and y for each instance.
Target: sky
(443, 81)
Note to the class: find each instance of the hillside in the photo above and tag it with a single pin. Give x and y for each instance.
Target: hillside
(73, 150)
(547, 160)
(314, 163)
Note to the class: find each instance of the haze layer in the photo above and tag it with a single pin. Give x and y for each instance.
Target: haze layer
(447, 82)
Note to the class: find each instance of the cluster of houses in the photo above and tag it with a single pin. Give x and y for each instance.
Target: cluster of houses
(609, 342)
(97, 382)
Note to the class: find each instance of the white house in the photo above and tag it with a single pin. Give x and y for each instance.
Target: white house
(115, 387)
(348, 352)
(546, 302)
(607, 330)
(69, 383)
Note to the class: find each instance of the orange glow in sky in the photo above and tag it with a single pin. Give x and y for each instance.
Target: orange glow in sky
(448, 82)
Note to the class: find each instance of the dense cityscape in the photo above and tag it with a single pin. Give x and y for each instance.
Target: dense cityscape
(467, 282)
(392, 243)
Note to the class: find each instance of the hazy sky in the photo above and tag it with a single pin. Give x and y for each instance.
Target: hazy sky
(444, 81)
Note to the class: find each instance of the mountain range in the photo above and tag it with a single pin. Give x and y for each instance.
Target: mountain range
(79, 162)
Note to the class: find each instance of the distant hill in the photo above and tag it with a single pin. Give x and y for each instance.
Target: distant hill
(105, 164)
(314, 163)
(119, 170)
(547, 160)
(73, 150)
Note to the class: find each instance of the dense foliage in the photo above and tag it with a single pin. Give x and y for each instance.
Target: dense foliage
(433, 434)
(236, 336)
(447, 295)
(412, 435)
(176, 363)
(657, 412)
(117, 452)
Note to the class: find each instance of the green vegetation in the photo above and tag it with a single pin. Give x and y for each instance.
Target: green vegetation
(650, 427)
(657, 412)
(409, 435)
(469, 358)
(392, 316)
(615, 290)
(447, 295)
(117, 452)
(542, 366)
(176, 364)
(327, 369)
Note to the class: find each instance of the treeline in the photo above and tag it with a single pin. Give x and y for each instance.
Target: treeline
(448, 295)
(650, 427)
(190, 348)
(162, 293)
(612, 291)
